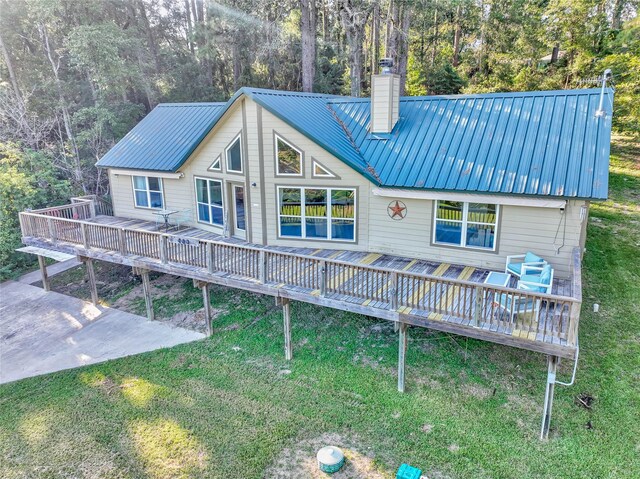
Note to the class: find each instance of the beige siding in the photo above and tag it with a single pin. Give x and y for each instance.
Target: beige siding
(180, 193)
(520, 229)
(385, 102)
(254, 171)
(213, 146)
(348, 179)
(175, 197)
(541, 230)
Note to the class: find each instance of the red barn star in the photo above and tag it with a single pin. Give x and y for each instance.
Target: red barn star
(396, 209)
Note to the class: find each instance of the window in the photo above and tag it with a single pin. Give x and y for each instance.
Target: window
(147, 192)
(317, 213)
(470, 225)
(216, 165)
(288, 158)
(320, 171)
(234, 156)
(210, 203)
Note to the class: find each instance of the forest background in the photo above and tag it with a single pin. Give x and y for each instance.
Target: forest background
(77, 75)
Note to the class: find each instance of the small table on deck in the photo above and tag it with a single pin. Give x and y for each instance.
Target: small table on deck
(498, 279)
(165, 214)
(495, 278)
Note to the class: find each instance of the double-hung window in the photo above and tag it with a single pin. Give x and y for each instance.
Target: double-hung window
(317, 213)
(468, 225)
(147, 192)
(209, 199)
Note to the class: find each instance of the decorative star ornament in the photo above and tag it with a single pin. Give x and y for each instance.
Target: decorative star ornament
(397, 210)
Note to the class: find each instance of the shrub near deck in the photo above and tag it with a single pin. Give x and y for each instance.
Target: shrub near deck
(230, 405)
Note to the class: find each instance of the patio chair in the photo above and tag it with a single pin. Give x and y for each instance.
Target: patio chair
(514, 305)
(183, 216)
(159, 222)
(522, 264)
(540, 283)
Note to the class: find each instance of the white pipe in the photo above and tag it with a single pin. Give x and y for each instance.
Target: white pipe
(575, 367)
(605, 76)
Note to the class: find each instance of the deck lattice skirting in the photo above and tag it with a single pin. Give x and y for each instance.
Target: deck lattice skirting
(454, 305)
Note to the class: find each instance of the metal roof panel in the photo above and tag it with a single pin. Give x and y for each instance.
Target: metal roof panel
(542, 143)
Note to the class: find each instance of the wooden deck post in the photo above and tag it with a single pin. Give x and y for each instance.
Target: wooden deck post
(323, 278)
(477, 310)
(206, 300)
(43, 271)
(83, 233)
(211, 259)
(122, 242)
(52, 230)
(548, 398)
(146, 289)
(393, 291)
(286, 315)
(402, 350)
(262, 266)
(93, 287)
(163, 249)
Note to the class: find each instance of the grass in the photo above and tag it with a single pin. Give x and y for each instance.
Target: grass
(229, 405)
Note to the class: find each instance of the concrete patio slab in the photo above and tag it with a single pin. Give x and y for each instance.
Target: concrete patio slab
(52, 270)
(44, 332)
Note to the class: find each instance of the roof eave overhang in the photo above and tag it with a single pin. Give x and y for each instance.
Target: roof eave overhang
(515, 199)
(362, 169)
(171, 175)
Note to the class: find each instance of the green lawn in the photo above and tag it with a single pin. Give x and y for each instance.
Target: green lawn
(231, 406)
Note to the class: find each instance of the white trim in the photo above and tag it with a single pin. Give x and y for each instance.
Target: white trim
(238, 137)
(314, 163)
(237, 231)
(148, 190)
(470, 197)
(464, 223)
(328, 217)
(153, 174)
(219, 168)
(210, 205)
(300, 164)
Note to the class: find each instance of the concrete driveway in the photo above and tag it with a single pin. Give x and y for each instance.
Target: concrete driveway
(44, 332)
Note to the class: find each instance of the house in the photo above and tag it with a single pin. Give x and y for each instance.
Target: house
(463, 179)
(396, 208)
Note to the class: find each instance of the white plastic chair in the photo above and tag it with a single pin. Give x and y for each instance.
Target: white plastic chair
(183, 216)
(528, 263)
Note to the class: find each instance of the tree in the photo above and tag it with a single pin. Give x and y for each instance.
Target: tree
(28, 179)
(308, 27)
(354, 15)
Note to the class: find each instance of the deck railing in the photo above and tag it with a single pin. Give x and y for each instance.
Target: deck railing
(100, 205)
(544, 317)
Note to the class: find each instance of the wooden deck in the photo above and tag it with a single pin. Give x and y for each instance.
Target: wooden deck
(441, 296)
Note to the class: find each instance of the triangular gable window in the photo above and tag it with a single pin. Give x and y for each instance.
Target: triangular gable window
(320, 171)
(288, 158)
(234, 156)
(216, 165)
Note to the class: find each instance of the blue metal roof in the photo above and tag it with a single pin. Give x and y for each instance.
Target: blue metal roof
(311, 115)
(544, 143)
(165, 138)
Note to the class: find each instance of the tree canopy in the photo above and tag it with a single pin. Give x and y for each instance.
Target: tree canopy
(76, 75)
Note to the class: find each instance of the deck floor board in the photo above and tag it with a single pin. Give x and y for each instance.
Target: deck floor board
(358, 282)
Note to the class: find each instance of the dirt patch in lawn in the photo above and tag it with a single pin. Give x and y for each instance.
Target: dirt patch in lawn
(170, 289)
(119, 288)
(300, 460)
